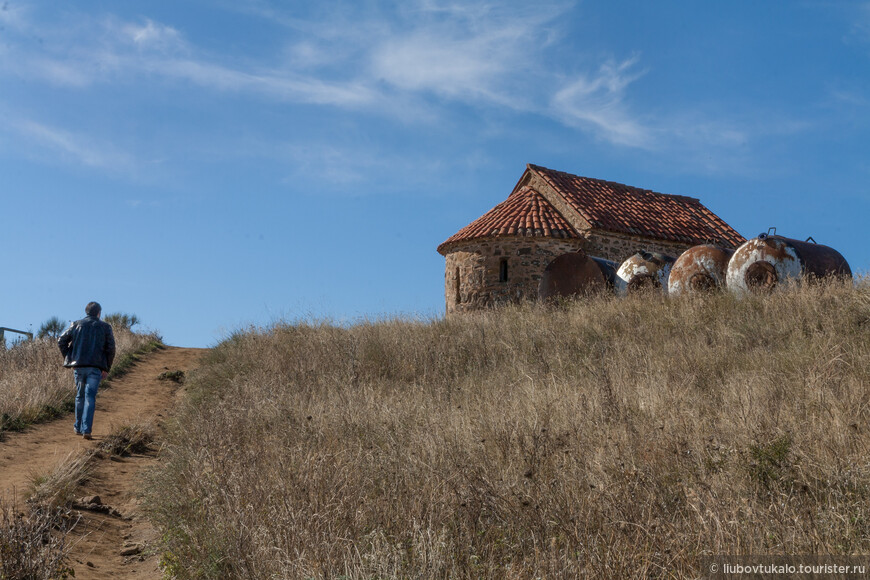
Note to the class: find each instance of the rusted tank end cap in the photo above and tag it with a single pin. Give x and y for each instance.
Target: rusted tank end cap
(702, 282)
(761, 277)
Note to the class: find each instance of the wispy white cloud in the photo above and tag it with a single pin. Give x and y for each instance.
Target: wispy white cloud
(469, 51)
(408, 62)
(65, 73)
(152, 35)
(124, 52)
(425, 62)
(70, 146)
(596, 101)
(305, 55)
(281, 86)
(501, 54)
(472, 51)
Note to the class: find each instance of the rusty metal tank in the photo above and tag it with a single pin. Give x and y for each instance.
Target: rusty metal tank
(644, 271)
(763, 263)
(699, 269)
(576, 274)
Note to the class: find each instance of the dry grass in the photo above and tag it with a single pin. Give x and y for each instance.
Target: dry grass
(32, 543)
(35, 387)
(127, 439)
(611, 439)
(57, 487)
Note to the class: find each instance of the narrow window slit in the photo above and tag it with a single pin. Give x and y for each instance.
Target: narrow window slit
(456, 288)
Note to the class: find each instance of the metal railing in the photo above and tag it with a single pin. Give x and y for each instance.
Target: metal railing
(3, 330)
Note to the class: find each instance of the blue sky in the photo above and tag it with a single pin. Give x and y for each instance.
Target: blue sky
(210, 165)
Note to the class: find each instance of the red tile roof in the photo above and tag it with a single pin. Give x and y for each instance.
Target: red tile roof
(524, 213)
(621, 208)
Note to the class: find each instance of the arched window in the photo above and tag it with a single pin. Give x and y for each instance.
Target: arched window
(503, 270)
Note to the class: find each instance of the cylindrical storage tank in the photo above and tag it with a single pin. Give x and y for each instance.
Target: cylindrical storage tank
(644, 271)
(699, 269)
(763, 263)
(608, 268)
(576, 274)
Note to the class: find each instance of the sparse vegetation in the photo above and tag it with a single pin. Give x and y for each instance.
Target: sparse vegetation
(57, 487)
(51, 328)
(608, 438)
(125, 361)
(32, 543)
(174, 376)
(121, 321)
(35, 387)
(128, 439)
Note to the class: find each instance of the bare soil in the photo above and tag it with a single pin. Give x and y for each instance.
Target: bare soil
(100, 538)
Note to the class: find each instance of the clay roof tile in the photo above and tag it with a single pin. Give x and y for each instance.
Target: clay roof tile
(524, 213)
(622, 208)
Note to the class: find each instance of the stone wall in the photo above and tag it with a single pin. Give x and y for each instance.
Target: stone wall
(472, 278)
(618, 247)
(473, 274)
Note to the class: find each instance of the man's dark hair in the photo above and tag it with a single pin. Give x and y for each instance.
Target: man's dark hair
(93, 309)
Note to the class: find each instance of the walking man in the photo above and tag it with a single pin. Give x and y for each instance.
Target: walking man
(88, 347)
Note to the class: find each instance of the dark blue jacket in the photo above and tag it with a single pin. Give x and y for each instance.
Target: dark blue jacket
(88, 342)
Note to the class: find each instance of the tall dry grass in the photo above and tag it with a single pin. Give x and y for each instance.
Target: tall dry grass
(33, 543)
(608, 438)
(34, 386)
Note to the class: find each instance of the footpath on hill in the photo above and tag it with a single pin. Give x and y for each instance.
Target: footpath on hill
(117, 526)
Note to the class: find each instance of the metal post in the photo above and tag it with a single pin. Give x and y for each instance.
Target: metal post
(3, 329)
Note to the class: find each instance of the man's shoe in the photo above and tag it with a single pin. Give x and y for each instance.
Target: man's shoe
(78, 432)
(87, 436)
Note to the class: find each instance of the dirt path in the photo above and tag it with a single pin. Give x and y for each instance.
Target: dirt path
(137, 397)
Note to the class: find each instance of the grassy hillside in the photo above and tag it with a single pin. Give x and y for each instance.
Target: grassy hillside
(34, 386)
(612, 438)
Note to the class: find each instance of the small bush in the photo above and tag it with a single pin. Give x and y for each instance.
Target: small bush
(57, 487)
(770, 461)
(51, 328)
(174, 376)
(121, 321)
(128, 439)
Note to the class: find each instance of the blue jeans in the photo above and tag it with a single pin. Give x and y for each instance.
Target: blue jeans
(87, 383)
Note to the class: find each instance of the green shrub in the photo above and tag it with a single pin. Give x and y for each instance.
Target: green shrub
(51, 328)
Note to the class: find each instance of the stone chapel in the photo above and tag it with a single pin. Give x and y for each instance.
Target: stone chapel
(501, 255)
